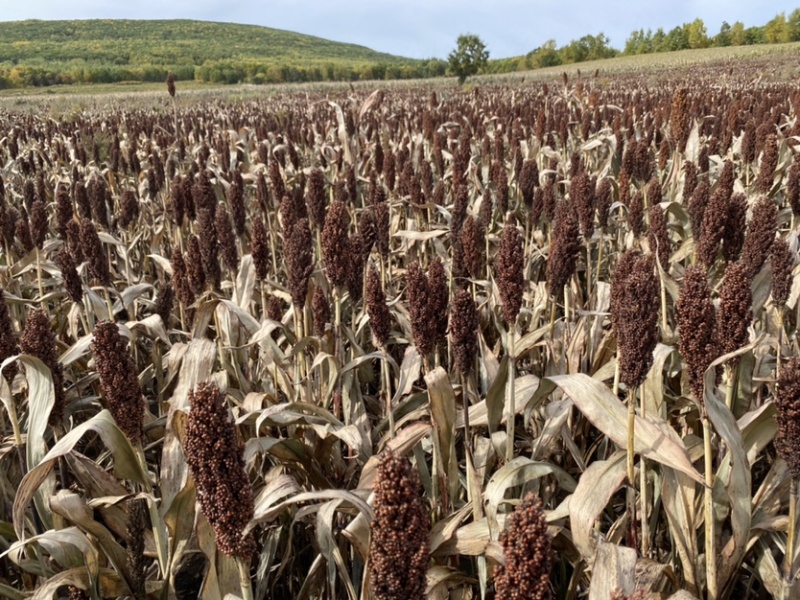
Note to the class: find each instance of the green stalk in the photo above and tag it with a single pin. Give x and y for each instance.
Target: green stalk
(711, 552)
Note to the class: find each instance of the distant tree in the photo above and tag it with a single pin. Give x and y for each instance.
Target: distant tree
(793, 23)
(696, 34)
(545, 55)
(738, 35)
(723, 38)
(678, 38)
(469, 57)
(660, 40)
(777, 30)
(754, 35)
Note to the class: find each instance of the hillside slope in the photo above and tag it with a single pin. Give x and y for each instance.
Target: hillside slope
(89, 51)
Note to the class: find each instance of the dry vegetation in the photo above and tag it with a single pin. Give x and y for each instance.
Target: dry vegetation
(517, 342)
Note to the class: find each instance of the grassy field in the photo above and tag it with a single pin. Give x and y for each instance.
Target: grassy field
(106, 51)
(778, 62)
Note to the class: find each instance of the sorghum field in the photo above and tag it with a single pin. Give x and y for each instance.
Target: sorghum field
(513, 341)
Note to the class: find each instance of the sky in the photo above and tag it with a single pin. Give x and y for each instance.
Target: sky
(426, 28)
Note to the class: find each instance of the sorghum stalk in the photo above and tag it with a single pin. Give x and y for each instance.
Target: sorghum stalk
(790, 538)
(299, 360)
(711, 551)
(380, 323)
(511, 393)
(787, 403)
(634, 318)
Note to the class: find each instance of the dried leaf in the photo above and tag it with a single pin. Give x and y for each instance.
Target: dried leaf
(654, 438)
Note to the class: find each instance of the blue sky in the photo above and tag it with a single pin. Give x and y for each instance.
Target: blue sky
(425, 28)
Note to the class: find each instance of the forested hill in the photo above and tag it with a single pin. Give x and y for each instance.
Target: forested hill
(102, 51)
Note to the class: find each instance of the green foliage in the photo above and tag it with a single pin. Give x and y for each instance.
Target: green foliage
(40, 53)
(793, 23)
(469, 57)
(696, 34)
(777, 30)
(738, 35)
(546, 55)
(723, 38)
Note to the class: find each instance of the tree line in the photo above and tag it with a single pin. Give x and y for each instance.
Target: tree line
(692, 35)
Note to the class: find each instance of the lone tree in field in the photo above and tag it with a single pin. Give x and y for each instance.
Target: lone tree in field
(469, 57)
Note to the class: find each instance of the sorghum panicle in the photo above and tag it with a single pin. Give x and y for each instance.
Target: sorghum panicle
(680, 118)
(9, 340)
(697, 335)
(298, 247)
(635, 305)
(715, 218)
(509, 266)
(760, 235)
(782, 266)
(196, 275)
(335, 243)
(438, 298)
(321, 310)
(355, 267)
(165, 298)
(215, 458)
(95, 253)
(464, 328)
(735, 308)
(379, 317)
(564, 248)
(787, 403)
(69, 273)
(526, 548)
(769, 160)
(603, 201)
(119, 379)
(259, 248)
(417, 294)
(398, 549)
(735, 225)
(38, 340)
(38, 223)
